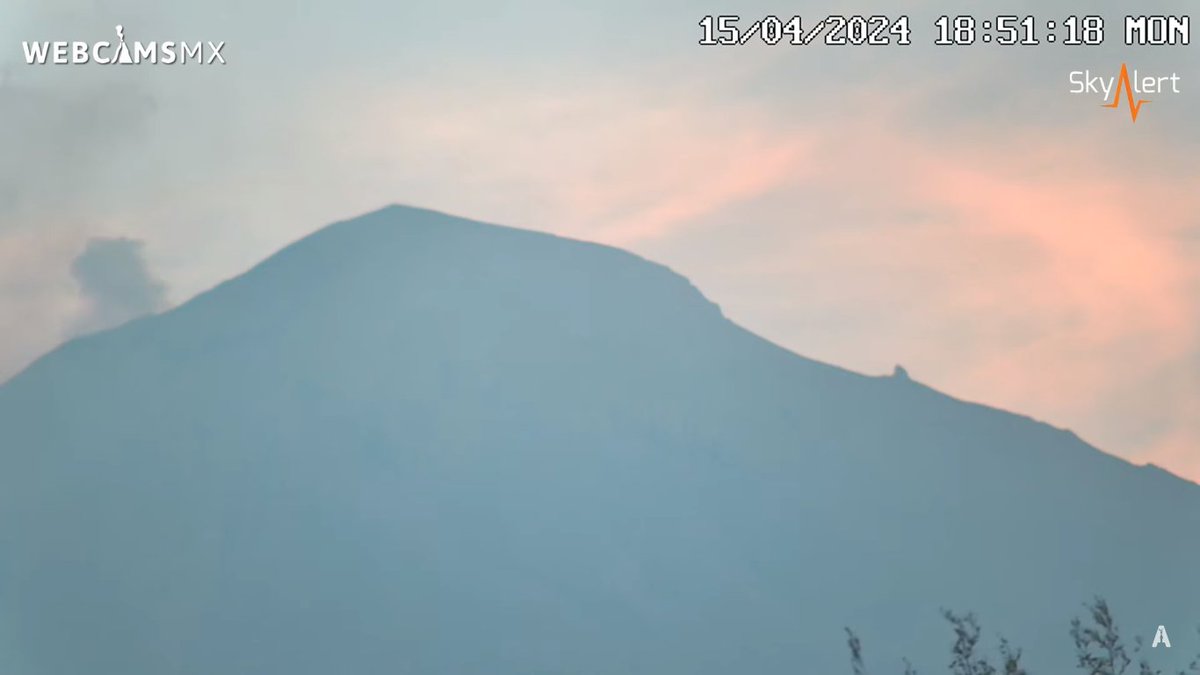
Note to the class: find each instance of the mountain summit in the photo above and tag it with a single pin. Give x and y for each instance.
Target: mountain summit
(413, 443)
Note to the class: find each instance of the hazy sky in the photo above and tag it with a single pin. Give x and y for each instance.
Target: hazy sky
(953, 209)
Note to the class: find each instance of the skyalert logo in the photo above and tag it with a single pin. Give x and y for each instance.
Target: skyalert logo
(1125, 85)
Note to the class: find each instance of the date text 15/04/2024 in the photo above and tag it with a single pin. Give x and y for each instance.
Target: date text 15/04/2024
(1088, 30)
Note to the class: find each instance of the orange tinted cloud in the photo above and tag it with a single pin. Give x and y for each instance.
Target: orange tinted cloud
(612, 164)
(1049, 281)
(1031, 269)
(34, 301)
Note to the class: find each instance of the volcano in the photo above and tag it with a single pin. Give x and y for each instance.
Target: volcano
(415, 443)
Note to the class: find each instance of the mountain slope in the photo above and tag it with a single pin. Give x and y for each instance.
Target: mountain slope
(416, 443)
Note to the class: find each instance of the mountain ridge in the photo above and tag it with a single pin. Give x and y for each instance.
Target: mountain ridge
(366, 223)
(396, 445)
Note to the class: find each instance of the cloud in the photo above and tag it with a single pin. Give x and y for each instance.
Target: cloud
(998, 276)
(62, 144)
(954, 209)
(68, 141)
(35, 295)
(608, 161)
(114, 284)
(1030, 263)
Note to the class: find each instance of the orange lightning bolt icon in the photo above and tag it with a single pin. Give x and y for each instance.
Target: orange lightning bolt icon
(1123, 82)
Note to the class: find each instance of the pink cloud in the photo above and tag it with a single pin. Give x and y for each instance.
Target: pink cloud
(1049, 281)
(35, 303)
(608, 163)
(1035, 270)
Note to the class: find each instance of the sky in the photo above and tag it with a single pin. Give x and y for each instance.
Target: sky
(954, 209)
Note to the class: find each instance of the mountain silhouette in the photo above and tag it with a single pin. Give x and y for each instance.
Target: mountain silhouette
(414, 443)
